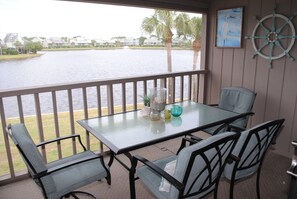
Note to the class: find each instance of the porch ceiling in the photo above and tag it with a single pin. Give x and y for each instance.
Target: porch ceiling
(197, 6)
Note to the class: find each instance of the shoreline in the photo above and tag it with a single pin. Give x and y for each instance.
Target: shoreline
(28, 56)
(115, 48)
(18, 57)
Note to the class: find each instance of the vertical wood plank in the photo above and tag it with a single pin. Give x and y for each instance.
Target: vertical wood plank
(20, 107)
(110, 102)
(155, 82)
(173, 89)
(237, 69)
(71, 117)
(145, 87)
(288, 96)
(86, 114)
(56, 121)
(39, 124)
(182, 88)
(124, 104)
(227, 66)
(6, 141)
(135, 95)
(99, 101)
(190, 87)
(262, 75)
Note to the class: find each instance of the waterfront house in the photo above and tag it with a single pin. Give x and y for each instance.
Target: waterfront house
(11, 39)
(80, 41)
(153, 41)
(56, 42)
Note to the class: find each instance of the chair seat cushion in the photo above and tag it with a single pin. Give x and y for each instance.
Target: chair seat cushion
(85, 173)
(151, 179)
(247, 158)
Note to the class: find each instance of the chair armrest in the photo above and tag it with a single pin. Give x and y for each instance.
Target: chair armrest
(232, 158)
(192, 139)
(159, 171)
(236, 128)
(229, 125)
(60, 139)
(66, 165)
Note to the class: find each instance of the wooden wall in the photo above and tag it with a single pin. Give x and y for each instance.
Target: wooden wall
(276, 88)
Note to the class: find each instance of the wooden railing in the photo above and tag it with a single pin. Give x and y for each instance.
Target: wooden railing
(50, 111)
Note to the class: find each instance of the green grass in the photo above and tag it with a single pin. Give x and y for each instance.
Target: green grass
(49, 133)
(17, 57)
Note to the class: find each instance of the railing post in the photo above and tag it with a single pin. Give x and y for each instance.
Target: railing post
(110, 99)
(6, 142)
(71, 115)
(39, 124)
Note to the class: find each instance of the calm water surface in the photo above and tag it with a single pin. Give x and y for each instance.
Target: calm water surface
(75, 66)
(71, 66)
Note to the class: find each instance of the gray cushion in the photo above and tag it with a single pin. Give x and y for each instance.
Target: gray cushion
(152, 180)
(23, 139)
(76, 176)
(251, 158)
(238, 100)
(65, 180)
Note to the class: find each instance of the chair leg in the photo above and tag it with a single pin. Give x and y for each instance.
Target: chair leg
(231, 189)
(258, 184)
(215, 194)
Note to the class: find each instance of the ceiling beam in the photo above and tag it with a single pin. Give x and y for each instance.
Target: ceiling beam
(195, 6)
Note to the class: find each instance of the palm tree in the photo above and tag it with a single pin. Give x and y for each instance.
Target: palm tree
(195, 25)
(187, 27)
(161, 24)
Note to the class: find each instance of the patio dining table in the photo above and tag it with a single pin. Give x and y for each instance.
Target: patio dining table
(125, 132)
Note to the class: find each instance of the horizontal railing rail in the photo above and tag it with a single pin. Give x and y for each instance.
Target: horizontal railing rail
(51, 111)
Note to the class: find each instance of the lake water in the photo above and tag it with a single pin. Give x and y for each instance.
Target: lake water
(71, 66)
(75, 66)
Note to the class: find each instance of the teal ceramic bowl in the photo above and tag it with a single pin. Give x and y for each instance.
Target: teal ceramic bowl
(176, 110)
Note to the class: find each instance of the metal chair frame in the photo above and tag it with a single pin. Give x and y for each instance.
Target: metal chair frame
(180, 185)
(37, 176)
(271, 128)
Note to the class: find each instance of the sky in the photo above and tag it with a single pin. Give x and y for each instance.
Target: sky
(48, 18)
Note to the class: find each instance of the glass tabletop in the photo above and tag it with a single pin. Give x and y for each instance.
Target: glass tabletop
(128, 131)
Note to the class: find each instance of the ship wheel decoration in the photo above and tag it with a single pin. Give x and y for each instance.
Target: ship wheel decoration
(274, 42)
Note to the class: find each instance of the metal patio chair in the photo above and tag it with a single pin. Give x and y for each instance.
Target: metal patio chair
(234, 99)
(197, 169)
(62, 177)
(249, 152)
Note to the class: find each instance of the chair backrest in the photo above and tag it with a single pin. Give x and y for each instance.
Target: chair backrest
(199, 166)
(239, 100)
(251, 148)
(32, 157)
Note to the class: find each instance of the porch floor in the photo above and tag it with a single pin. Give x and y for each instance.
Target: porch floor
(274, 180)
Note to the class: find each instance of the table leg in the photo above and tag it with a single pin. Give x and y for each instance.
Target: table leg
(111, 158)
(132, 177)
